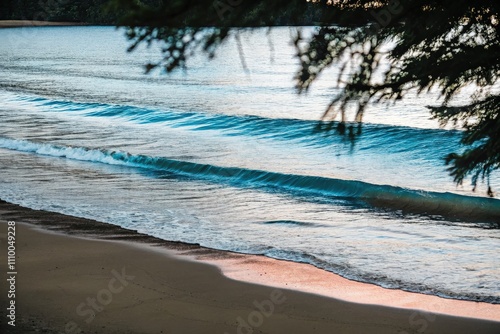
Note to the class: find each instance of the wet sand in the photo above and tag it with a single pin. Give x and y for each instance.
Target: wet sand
(75, 274)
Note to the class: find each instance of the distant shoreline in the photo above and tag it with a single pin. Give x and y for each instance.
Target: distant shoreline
(30, 23)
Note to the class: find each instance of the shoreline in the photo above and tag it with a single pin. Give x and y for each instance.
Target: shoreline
(34, 23)
(250, 275)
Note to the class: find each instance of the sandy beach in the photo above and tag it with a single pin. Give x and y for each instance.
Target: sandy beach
(77, 275)
(30, 23)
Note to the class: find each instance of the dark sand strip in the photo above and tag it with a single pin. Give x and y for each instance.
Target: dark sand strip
(61, 277)
(28, 23)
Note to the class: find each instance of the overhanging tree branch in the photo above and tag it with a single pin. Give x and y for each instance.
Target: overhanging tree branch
(444, 45)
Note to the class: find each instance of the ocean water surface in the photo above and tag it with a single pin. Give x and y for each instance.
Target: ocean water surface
(231, 160)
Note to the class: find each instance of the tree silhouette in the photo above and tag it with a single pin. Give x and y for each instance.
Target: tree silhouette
(444, 45)
(88, 11)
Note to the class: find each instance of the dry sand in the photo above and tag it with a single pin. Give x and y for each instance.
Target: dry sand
(125, 285)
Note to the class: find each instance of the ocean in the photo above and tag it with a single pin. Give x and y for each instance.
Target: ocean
(231, 159)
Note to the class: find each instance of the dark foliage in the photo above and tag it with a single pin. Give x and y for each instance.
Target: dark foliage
(444, 45)
(89, 11)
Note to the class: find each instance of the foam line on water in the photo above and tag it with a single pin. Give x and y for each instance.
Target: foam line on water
(411, 200)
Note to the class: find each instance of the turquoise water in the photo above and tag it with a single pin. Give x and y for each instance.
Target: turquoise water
(231, 160)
